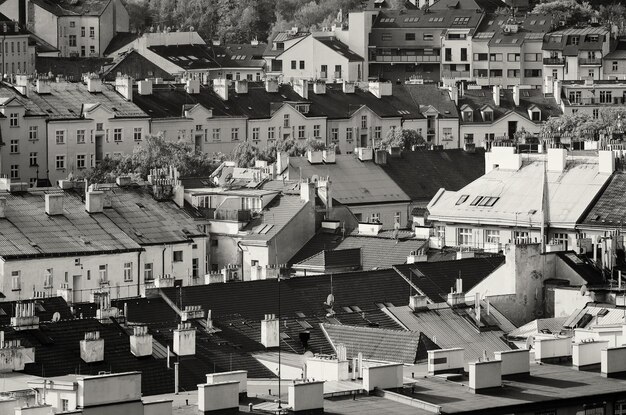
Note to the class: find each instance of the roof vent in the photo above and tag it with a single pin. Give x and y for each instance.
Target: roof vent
(54, 204)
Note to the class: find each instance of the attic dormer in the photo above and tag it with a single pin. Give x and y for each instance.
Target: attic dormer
(302, 108)
(534, 113)
(467, 113)
(487, 113)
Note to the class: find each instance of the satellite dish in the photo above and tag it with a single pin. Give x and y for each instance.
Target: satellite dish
(56, 316)
(330, 300)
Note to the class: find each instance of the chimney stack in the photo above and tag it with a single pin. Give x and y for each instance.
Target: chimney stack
(25, 317)
(557, 159)
(418, 302)
(319, 87)
(496, 95)
(192, 86)
(241, 86)
(271, 85)
(141, 342)
(301, 87)
(558, 87)
(516, 95)
(94, 201)
(145, 87)
(307, 191)
(269, 331)
(3, 207)
(43, 86)
(92, 347)
(54, 204)
(185, 340)
(220, 87)
(94, 84)
(348, 87)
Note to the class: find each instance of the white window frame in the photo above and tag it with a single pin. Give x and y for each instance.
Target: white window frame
(128, 271)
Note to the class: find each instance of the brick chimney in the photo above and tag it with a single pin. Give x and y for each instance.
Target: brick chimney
(92, 347)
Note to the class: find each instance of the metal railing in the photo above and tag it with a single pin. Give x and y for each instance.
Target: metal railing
(554, 61)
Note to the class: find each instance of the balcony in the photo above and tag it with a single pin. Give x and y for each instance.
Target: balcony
(590, 61)
(455, 74)
(554, 61)
(408, 58)
(235, 215)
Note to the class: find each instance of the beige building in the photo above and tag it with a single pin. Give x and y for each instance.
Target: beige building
(17, 49)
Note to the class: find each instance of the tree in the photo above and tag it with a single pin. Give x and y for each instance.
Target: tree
(403, 138)
(613, 15)
(568, 11)
(584, 126)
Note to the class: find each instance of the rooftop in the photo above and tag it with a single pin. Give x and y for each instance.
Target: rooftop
(196, 56)
(329, 259)
(340, 47)
(73, 8)
(71, 68)
(274, 217)
(433, 18)
(588, 38)
(609, 210)
(495, 29)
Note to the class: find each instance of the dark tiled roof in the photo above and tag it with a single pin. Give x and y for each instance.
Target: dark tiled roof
(609, 210)
(619, 52)
(530, 27)
(529, 98)
(583, 267)
(71, 68)
(484, 5)
(422, 173)
(31, 108)
(277, 214)
(134, 64)
(209, 56)
(319, 242)
(340, 48)
(73, 8)
(45, 308)
(431, 95)
(443, 18)
(120, 40)
(561, 40)
(435, 279)
(341, 258)
(10, 27)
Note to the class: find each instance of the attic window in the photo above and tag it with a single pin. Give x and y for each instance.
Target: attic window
(347, 309)
(460, 21)
(476, 201)
(468, 116)
(355, 308)
(488, 115)
(388, 20)
(488, 201)
(603, 312)
(304, 324)
(462, 199)
(535, 115)
(140, 205)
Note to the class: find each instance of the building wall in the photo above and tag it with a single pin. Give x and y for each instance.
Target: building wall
(295, 118)
(44, 24)
(66, 33)
(122, 19)
(223, 250)
(18, 56)
(137, 67)
(387, 213)
(162, 259)
(360, 137)
(500, 128)
(614, 68)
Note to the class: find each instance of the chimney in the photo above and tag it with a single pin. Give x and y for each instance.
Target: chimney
(3, 207)
(365, 153)
(269, 331)
(325, 192)
(349, 87)
(496, 95)
(380, 157)
(516, 95)
(477, 306)
(192, 86)
(145, 87)
(282, 162)
(141, 342)
(185, 340)
(553, 348)
(606, 161)
(587, 354)
(54, 204)
(301, 87)
(557, 159)
(315, 157)
(240, 376)
(558, 88)
(241, 86)
(25, 318)
(380, 89)
(192, 312)
(94, 201)
(319, 87)
(218, 398)
(329, 156)
(123, 181)
(43, 86)
(271, 85)
(220, 87)
(92, 347)
(485, 375)
(94, 84)
(418, 302)
(306, 397)
(307, 191)
(454, 94)
(124, 86)
(370, 229)
(21, 84)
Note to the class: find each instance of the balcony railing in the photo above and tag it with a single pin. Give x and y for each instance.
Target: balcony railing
(597, 101)
(554, 61)
(590, 61)
(233, 215)
(408, 58)
(455, 74)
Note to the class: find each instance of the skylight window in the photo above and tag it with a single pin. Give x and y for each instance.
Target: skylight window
(388, 20)
(476, 201)
(412, 19)
(485, 201)
(460, 21)
(462, 199)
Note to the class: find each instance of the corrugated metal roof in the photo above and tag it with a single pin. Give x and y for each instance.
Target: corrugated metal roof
(447, 329)
(603, 316)
(540, 325)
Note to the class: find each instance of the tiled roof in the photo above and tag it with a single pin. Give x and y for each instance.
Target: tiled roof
(432, 18)
(192, 57)
(28, 231)
(619, 52)
(583, 267)
(449, 329)
(73, 8)
(422, 173)
(435, 279)
(484, 5)
(597, 316)
(340, 48)
(71, 68)
(31, 108)
(531, 27)
(354, 182)
(45, 308)
(375, 344)
(120, 40)
(11, 27)
(328, 259)
(541, 325)
(274, 217)
(430, 95)
(561, 40)
(609, 211)
(396, 251)
(478, 98)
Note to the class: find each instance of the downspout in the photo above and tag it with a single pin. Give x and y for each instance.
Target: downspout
(163, 261)
(138, 274)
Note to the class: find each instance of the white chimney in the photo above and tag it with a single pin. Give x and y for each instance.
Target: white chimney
(241, 86)
(365, 153)
(124, 86)
(220, 87)
(221, 397)
(271, 85)
(329, 156)
(558, 87)
(25, 317)
(282, 161)
(496, 95)
(547, 349)
(192, 86)
(94, 201)
(315, 157)
(516, 95)
(586, 354)
(3, 207)
(446, 361)
(319, 87)
(54, 204)
(141, 342)
(380, 89)
(514, 362)
(349, 87)
(606, 161)
(301, 87)
(92, 347)
(185, 340)
(454, 94)
(94, 84)
(43, 86)
(417, 302)
(613, 361)
(370, 229)
(485, 375)
(557, 159)
(269, 330)
(307, 191)
(240, 376)
(306, 397)
(145, 87)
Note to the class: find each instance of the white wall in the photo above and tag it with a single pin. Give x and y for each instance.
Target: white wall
(546, 348)
(514, 361)
(485, 375)
(613, 361)
(306, 396)
(587, 353)
(327, 369)
(240, 376)
(115, 388)
(218, 396)
(383, 377)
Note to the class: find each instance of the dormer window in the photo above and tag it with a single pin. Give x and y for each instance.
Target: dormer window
(534, 113)
(467, 113)
(302, 108)
(487, 113)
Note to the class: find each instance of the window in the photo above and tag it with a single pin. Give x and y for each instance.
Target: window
(60, 162)
(349, 134)
(216, 134)
(137, 133)
(72, 24)
(128, 271)
(33, 159)
(15, 171)
(447, 133)
(14, 119)
(532, 73)
(595, 113)
(60, 136)
(594, 411)
(65, 405)
(80, 136)
(513, 57)
(16, 283)
(82, 31)
(117, 135)
(495, 57)
(532, 57)
(397, 217)
(301, 131)
(448, 54)
(555, 74)
(488, 116)
(48, 277)
(606, 97)
(464, 237)
(535, 115)
(147, 272)
(294, 64)
(463, 54)
(386, 37)
(72, 40)
(103, 273)
(301, 64)
(378, 132)
(620, 408)
(492, 236)
(32, 132)
(194, 268)
(81, 161)
(375, 218)
(521, 236)
(334, 134)
(409, 36)
(92, 32)
(364, 121)
(286, 121)
(256, 133)
(15, 146)
(614, 65)
(513, 73)
(271, 132)
(481, 56)
(560, 238)
(428, 36)
(92, 50)
(440, 232)
(178, 256)
(316, 131)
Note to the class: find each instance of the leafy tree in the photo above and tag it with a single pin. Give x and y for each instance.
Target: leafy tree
(403, 138)
(613, 15)
(568, 11)
(584, 126)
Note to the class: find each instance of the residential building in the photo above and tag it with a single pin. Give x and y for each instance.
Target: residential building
(575, 54)
(316, 56)
(589, 97)
(280, 42)
(614, 64)
(495, 114)
(134, 65)
(18, 50)
(23, 157)
(75, 29)
(71, 68)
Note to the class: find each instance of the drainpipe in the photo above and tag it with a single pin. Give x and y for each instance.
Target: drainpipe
(163, 260)
(139, 273)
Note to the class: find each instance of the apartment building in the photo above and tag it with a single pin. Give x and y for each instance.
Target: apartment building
(575, 54)
(507, 51)
(74, 28)
(17, 49)
(614, 64)
(589, 97)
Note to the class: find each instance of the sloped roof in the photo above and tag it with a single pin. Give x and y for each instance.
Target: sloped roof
(340, 47)
(120, 40)
(30, 107)
(73, 8)
(71, 68)
(274, 217)
(422, 173)
(375, 344)
(484, 5)
(609, 211)
(561, 40)
(583, 267)
(531, 27)
(354, 182)
(435, 279)
(45, 308)
(196, 56)
(327, 259)
(433, 18)
(552, 325)
(600, 316)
